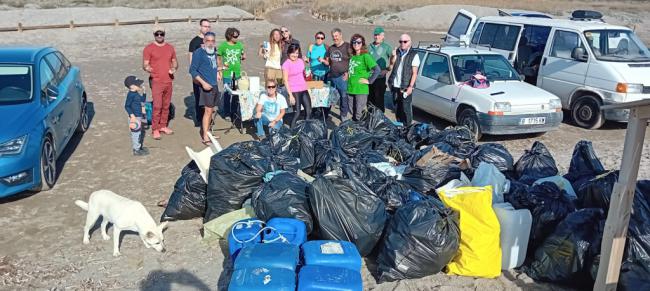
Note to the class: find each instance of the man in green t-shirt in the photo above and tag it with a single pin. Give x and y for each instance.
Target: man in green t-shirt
(230, 54)
(381, 51)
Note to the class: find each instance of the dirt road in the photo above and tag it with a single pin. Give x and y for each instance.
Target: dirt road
(40, 244)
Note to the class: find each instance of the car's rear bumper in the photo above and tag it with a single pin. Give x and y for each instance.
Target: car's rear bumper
(509, 124)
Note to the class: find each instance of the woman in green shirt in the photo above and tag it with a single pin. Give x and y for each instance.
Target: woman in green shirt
(230, 54)
(362, 71)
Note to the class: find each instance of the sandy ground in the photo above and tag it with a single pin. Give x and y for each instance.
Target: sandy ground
(40, 245)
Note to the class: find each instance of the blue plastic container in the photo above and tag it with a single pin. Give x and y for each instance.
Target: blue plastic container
(293, 230)
(315, 278)
(331, 253)
(254, 279)
(281, 256)
(245, 234)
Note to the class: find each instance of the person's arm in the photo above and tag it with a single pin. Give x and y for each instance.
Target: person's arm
(174, 64)
(285, 76)
(128, 107)
(376, 71)
(146, 57)
(326, 60)
(220, 66)
(415, 65)
(258, 110)
(260, 52)
(280, 116)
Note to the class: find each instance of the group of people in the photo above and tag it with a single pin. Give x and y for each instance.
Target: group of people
(360, 72)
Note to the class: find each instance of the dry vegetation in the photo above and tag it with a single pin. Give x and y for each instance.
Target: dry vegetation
(248, 5)
(360, 8)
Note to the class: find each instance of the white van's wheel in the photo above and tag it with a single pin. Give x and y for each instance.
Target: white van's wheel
(468, 118)
(586, 113)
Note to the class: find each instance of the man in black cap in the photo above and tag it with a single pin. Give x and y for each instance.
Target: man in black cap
(134, 107)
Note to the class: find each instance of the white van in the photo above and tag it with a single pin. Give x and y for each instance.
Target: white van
(583, 60)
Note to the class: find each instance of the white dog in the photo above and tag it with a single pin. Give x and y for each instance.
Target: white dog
(124, 214)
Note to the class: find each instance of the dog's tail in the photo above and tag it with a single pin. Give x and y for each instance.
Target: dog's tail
(82, 204)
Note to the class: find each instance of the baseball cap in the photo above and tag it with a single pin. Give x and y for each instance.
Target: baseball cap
(157, 28)
(378, 30)
(132, 80)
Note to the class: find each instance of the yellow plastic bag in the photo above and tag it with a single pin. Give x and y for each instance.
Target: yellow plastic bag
(479, 254)
(218, 228)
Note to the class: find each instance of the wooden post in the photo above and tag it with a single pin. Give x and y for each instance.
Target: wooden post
(189, 19)
(117, 22)
(20, 27)
(613, 244)
(155, 20)
(217, 21)
(71, 24)
(241, 18)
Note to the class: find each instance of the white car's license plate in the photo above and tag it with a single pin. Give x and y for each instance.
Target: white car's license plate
(532, 120)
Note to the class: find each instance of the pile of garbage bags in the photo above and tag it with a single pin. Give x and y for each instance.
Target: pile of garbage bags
(420, 200)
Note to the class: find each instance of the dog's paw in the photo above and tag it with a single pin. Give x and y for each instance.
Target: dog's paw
(116, 254)
(106, 237)
(86, 240)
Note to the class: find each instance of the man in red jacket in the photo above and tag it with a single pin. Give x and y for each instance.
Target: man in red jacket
(159, 60)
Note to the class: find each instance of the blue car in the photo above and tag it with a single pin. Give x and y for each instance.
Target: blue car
(42, 105)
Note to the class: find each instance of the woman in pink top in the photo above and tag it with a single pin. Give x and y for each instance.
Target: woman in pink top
(293, 71)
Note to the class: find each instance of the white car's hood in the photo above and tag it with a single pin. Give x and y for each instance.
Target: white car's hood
(516, 92)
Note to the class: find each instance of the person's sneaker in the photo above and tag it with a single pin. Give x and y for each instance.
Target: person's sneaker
(144, 149)
(166, 130)
(140, 152)
(156, 135)
(227, 118)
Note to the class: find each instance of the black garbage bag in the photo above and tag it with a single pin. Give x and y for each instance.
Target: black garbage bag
(584, 162)
(492, 153)
(353, 138)
(535, 164)
(235, 173)
(371, 157)
(188, 200)
(328, 158)
(457, 141)
(519, 196)
(550, 207)
(421, 239)
(597, 192)
(635, 270)
(314, 129)
(284, 196)
(375, 121)
(290, 150)
(346, 209)
(420, 134)
(431, 168)
(394, 193)
(565, 255)
(399, 150)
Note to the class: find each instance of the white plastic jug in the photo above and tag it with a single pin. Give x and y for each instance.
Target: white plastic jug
(515, 232)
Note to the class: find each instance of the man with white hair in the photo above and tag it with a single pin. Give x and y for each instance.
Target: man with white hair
(405, 63)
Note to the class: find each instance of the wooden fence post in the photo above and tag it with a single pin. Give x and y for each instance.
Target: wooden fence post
(189, 19)
(20, 27)
(117, 22)
(155, 20)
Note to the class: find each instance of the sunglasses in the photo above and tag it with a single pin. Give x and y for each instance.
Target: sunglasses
(283, 31)
(159, 34)
(357, 42)
(235, 36)
(320, 37)
(270, 87)
(403, 41)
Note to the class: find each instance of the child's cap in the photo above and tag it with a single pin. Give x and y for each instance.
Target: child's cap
(132, 80)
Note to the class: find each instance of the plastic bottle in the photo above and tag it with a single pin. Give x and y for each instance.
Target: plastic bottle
(515, 232)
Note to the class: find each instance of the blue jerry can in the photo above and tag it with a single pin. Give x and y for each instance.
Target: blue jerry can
(331, 253)
(280, 256)
(315, 278)
(293, 230)
(254, 279)
(244, 233)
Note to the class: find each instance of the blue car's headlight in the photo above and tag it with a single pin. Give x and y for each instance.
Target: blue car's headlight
(13, 147)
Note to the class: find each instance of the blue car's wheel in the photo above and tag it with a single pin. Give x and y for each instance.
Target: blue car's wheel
(84, 119)
(48, 165)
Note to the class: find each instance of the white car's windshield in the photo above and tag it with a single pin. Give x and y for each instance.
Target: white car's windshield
(494, 67)
(617, 46)
(15, 83)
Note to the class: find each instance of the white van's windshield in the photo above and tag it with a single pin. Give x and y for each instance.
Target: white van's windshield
(617, 46)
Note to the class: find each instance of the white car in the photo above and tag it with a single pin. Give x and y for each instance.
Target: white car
(583, 60)
(508, 106)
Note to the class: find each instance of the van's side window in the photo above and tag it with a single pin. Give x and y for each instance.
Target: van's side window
(460, 25)
(477, 33)
(435, 66)
(498, 36)
(563, 44)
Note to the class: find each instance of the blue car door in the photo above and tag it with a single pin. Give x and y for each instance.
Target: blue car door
(52, 100)
(75, 91)
(65, 90)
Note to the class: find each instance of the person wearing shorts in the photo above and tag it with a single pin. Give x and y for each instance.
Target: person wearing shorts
(271, 51)
(204, 70)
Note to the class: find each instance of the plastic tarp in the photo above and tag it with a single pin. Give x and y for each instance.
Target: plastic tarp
(346, 209)
(479, 254)
(219, 228)
(488, 175)
(565, 255)
(189, 197)
(535, 164)
(421, 239)
(285, 195)
(492, 153)
(235, 173)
